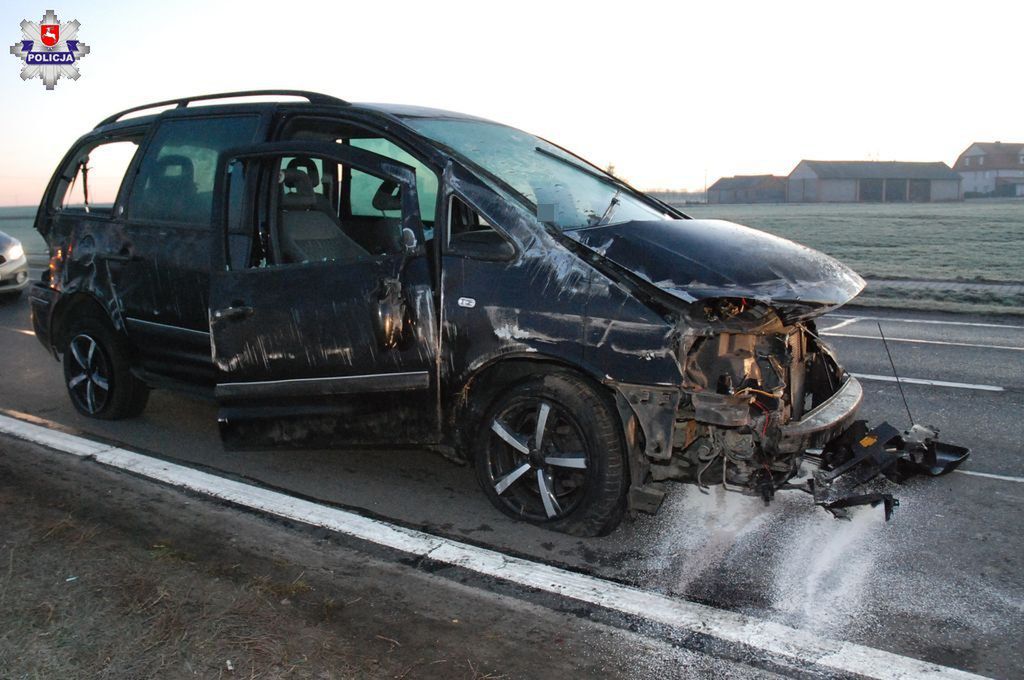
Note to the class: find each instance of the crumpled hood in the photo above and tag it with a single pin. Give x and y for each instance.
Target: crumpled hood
(701, 259)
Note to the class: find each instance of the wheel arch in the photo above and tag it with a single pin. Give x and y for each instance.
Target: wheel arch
(74, 305)
(477, 392)
(646, 414)
(583, 398)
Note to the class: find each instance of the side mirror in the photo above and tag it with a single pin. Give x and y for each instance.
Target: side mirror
(482, 245)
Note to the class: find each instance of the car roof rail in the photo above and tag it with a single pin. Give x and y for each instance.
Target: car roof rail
(311, 97)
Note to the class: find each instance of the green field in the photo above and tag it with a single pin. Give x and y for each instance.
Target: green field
(973, 240)
(980, 240)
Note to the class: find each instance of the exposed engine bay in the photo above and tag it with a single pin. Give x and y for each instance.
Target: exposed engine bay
(751, 381)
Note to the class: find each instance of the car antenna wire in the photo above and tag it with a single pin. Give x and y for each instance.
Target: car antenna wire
(895, 374)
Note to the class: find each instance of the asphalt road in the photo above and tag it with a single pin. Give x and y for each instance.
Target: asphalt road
(942, 582)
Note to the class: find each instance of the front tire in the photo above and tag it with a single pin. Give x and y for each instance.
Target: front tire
(549, 451)
(97, 373)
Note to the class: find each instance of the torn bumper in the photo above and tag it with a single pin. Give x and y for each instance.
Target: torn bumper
(825, 422)
(860, 455)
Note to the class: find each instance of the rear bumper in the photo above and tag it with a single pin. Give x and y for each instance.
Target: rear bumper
(825, 422)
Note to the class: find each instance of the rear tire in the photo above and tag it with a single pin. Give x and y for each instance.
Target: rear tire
(575, 480)
(97, 372)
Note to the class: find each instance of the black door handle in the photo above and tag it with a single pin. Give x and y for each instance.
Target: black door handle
(233, 313)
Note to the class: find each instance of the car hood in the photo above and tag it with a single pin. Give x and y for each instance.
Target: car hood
(6, 242)
(697, 260)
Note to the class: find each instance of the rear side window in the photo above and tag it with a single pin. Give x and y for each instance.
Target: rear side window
(175, 180)
(96, 176)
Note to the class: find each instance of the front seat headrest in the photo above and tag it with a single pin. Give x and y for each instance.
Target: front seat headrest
(183, 163)
(308, 165)
(297, 180)
(302, 196)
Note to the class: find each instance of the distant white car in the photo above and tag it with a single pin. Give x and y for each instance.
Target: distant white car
(13, 267)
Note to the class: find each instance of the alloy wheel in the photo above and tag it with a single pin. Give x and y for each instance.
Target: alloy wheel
(89, 382)
(538, 459)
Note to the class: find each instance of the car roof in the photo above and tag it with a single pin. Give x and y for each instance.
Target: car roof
(183, 107)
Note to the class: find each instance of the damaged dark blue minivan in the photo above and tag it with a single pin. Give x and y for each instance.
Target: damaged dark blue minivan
(339, 274)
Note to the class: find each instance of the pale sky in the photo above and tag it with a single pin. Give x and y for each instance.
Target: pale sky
(671, 93)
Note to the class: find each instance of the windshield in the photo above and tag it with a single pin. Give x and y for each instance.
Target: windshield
(568, 193)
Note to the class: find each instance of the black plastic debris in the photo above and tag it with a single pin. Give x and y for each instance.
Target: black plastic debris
(861, 455)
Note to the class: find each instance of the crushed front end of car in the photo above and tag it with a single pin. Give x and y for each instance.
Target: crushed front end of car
(756, 399)
(761, 392)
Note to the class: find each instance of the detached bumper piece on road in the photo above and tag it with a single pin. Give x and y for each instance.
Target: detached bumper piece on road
(860, 455)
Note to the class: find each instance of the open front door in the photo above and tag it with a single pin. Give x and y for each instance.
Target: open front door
(322, 315)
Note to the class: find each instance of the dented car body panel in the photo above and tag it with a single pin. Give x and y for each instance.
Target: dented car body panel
(700, 332)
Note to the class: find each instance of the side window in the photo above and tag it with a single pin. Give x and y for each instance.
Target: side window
(357, 191)
(471, 235)
(307, 220)
(464, 219)
(96, 176)
(372, 196)
(426, 180)
(175, 180)
(308, 227)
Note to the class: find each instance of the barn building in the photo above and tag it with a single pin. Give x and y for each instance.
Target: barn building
(992, 169)
(748, 189)
(872, 182)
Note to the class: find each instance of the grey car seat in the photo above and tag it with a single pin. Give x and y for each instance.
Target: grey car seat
(306, 164)
(310, 232)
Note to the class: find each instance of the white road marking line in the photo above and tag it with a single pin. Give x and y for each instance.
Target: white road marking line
(926, 321)
(747, 631)
(934, 383)
(989, 475)
(21, 330)
(924, 342)
(841, 324)
(1005, 478)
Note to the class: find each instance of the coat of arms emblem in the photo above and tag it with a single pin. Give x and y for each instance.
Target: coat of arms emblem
(50, 49)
